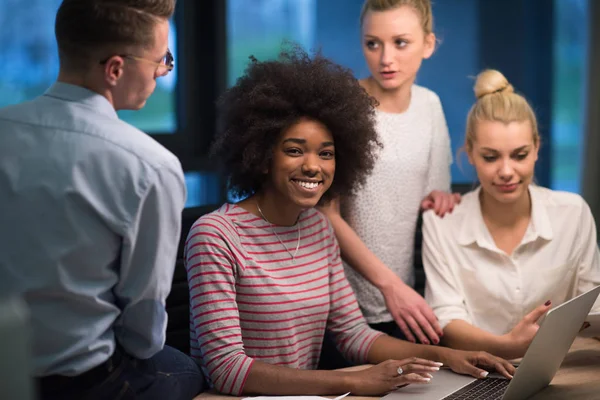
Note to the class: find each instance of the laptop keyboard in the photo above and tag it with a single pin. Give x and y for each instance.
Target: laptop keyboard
(481, 389)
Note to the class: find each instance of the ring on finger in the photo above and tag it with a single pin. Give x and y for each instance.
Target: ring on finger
(400, 370)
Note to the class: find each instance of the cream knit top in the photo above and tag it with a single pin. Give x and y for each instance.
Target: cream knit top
(415, 160)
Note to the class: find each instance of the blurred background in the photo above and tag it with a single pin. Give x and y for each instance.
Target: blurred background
(542, 46)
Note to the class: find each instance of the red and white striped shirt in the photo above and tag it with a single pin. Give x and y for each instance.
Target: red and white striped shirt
(250, 301)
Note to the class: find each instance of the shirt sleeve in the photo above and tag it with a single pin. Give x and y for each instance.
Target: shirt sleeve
(440, 155)
(589, 257)
(351, 333)
(211, 259)
(148, 254)
(442, 291)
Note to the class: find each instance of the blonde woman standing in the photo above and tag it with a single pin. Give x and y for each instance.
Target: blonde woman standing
(376, 226)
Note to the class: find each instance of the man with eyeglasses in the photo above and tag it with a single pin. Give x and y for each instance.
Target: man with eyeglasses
(90, 211)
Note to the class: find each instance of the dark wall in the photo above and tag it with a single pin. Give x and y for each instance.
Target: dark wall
(516, 38)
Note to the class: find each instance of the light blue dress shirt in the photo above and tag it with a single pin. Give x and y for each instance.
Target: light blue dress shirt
(90, 219)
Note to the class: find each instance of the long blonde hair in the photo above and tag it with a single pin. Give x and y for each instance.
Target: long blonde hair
(422, 7)
(497, 101)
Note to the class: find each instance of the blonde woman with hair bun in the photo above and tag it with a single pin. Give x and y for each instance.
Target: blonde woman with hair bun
(511, 250)
(376, 226)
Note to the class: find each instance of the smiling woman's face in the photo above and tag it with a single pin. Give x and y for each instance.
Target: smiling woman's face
(303, 164)
(504, 157)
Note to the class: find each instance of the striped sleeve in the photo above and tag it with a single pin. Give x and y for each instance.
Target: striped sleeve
(212, 260)
(352, 334)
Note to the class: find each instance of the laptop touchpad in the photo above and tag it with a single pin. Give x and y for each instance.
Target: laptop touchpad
(444, 382)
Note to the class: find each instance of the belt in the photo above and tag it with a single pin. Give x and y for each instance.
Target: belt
(87, 379)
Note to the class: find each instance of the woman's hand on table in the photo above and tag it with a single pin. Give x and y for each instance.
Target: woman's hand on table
(390, 375)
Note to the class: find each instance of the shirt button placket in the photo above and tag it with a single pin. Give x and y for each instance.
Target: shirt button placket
(519, 299)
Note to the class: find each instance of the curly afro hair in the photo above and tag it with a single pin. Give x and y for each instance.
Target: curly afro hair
(272, 96)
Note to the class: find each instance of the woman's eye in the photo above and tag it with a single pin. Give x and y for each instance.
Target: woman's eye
(489, 158)
(401, 43)
(293, 152)
(371, 44)
(521, 156)
(327, 154)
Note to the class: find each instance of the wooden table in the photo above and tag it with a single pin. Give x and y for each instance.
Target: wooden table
(577, 379)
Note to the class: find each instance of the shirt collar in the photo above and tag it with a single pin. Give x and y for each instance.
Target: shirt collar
(474, 229)
(79, 94)
(540, 225)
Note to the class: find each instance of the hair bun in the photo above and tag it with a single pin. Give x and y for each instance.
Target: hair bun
(491, 81)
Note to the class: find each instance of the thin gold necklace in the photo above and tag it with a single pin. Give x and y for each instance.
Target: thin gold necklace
(278, 238)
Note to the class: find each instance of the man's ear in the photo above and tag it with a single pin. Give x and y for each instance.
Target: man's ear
(113, 70)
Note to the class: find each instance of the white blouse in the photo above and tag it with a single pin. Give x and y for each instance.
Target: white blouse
(471, 279)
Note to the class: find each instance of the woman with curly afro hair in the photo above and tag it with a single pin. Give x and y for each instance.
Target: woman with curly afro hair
(265, 275)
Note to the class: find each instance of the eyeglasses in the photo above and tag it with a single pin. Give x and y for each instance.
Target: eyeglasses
(166, 64)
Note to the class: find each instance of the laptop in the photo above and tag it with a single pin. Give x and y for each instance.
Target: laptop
(537, 368)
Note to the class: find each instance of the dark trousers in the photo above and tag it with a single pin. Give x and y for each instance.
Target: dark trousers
(169, 374)
(331, 358)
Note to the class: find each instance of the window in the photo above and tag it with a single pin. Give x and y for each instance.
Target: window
(259, 27)
(571, 34)
(28, 60)
(29, 63)
(203, 188)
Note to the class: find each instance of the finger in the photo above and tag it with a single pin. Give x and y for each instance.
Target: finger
(537, 313)
(444, 205)
(426, 326)
(437, 200)
(584, 326)
(433, 321)
(451, 207)
(504, 369)
(474, 371)
(414, 326)
(417, 360)
(411, 378)
(509, 368)
(447, 204)
(418, 368)
(500, 365)
(404, 328)
(454, 201)
(427, 204)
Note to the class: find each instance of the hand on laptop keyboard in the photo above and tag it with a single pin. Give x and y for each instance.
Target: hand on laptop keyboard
(477, 363)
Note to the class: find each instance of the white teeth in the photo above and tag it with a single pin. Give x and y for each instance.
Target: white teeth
(308, 185)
